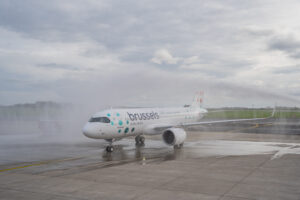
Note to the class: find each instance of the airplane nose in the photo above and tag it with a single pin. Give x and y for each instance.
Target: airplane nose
(89, 131)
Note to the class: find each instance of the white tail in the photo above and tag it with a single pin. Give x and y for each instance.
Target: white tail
(198, 99)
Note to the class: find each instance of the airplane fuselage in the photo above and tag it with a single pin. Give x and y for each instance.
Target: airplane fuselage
(119, 123)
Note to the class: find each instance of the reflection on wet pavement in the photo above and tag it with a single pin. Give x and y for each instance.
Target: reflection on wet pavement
(43, 156)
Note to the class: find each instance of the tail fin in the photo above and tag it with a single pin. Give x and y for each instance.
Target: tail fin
(198, 99)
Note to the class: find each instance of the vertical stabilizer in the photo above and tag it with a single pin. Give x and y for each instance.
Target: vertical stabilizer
(198, 99)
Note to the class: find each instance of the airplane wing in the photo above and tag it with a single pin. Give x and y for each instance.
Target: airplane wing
(163, 127)
(223, 121)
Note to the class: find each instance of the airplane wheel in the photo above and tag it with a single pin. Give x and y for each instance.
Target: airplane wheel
(109, 149)
(142, 140)
(139, 140)
(178, 146)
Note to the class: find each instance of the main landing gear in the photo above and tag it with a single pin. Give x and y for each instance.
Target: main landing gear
(139, 140)
(178, 146)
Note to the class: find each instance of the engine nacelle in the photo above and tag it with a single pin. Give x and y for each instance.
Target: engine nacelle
(174, 136)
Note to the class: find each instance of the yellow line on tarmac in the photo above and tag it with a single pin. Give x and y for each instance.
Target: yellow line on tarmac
(20, 167)
(251, 127)
(40, 163)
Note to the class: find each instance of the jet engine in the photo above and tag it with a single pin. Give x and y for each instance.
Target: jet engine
(174, 136)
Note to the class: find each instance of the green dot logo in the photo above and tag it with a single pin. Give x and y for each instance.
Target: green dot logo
(127, 122)
(108, 115)
(119, 131)
(120, 123)
(126, 130)
(118, 114)
(112, 123)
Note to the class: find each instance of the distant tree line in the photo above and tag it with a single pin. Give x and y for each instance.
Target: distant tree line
(264, 108)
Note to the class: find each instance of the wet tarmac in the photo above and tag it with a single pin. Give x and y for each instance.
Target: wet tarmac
(233, 164)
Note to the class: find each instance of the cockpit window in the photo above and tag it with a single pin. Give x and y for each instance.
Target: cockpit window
(100, 119)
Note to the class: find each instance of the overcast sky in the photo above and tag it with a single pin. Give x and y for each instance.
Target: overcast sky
(149, 53)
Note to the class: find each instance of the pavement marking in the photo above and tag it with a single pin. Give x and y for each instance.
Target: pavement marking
(40, 163)
(252, 127)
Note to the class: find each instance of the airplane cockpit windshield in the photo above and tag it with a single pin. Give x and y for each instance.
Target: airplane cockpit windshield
(100, 119)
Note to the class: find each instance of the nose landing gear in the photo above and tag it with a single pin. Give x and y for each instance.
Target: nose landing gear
(109, 149)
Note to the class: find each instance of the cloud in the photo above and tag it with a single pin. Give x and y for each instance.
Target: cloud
(191, 60)
(288, 44)
(257, 31)
(164, 56)
(287, 70)
(148, 52)
(57, 66)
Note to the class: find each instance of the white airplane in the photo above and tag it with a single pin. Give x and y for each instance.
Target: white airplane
(115, 124)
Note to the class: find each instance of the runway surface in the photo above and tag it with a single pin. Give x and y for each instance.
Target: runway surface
(238, 163)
